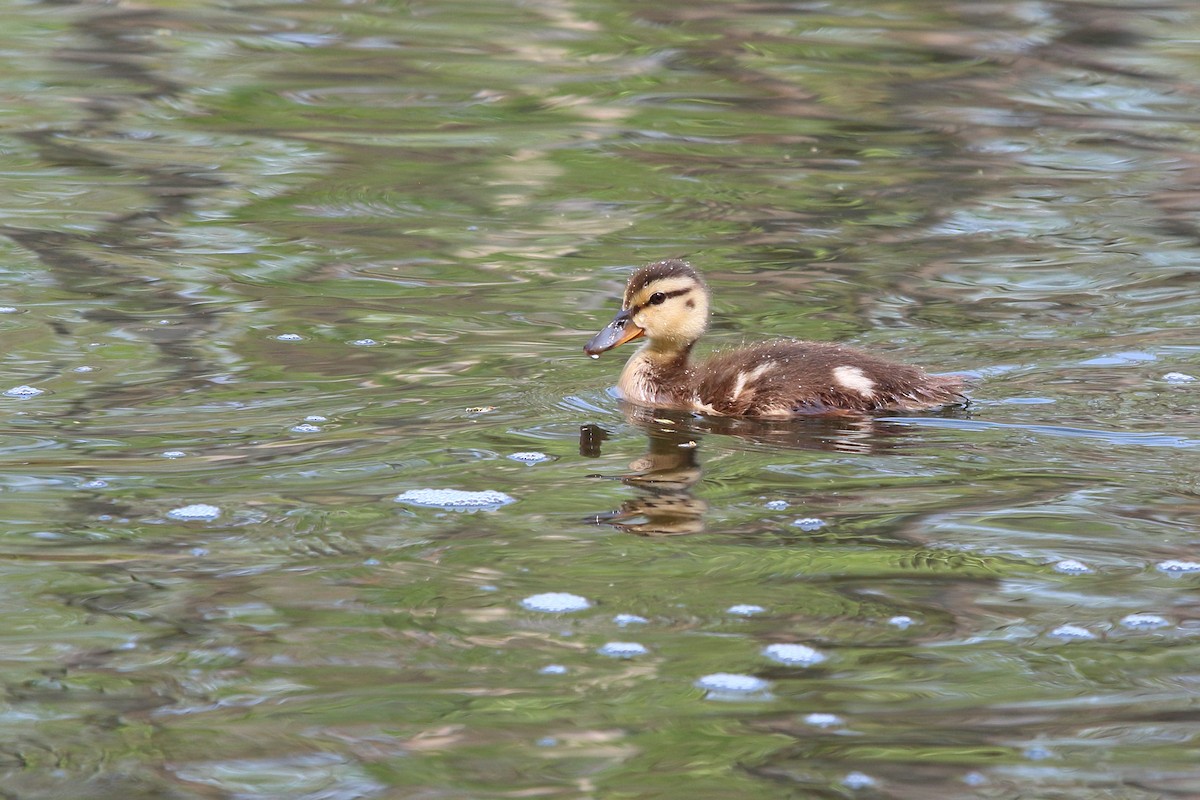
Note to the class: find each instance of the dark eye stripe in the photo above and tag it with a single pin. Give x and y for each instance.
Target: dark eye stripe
(666, 296)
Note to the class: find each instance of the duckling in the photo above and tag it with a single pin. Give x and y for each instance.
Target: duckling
(667, 302)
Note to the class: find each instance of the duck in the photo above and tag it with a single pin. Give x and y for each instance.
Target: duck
(667, 304)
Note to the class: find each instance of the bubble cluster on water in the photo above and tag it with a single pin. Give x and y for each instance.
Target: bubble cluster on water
(793, 655)
(8, 309)
(728, 683)
(529, 457)
(858, 780)
(809, 523)
(95, 483)
(553, 669)
(290, 337)
(1069, 566)
(1178, 567)
(83, 368)
(822, 720)
(745, 610)
(624, 620)
(901, 621)
(1144, 622)
(777, 505)
(365, 343)
(975, 779)
(306, 427)
(1178, 377)
(1038, 753)
(556, 602)
(172, 454)
(316, 418)
(622, 649)
(196, 512)
(23, 392)
(454, 499)
(1072, 632)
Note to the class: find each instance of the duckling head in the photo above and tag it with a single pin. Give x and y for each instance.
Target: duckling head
(667, 302)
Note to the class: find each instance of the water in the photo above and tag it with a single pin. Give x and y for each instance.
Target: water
(294, 262)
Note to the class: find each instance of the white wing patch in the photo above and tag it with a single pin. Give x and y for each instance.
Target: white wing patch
(744, 378)
(855, 380)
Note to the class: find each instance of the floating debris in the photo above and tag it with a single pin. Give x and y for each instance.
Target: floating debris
(745, 610)
(1144, 622)
(197, 512)
(480, 409)
(622, 650)
(793, 655)
(1070, 632)
(556, 602)
(1177, 567)
(23, 392)
(529, 457)
(1069, 566)
(809, 523)
(455, 499)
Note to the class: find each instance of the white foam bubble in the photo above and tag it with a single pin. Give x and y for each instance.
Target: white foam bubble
(809, 523)
(1178, 377)
(794, 655)
(623, 620)
(556, 602)
(1068, 632)
(529, 457)
(1069, 566)
(622, 649)
(1176, 566)
(745, 610)
(454, 499)
(23, 392)
(821, 720)
(1144, 622)
(196, 512)
(858, 780)
(731, 683)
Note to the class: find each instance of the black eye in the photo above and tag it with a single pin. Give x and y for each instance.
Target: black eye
(658, 298)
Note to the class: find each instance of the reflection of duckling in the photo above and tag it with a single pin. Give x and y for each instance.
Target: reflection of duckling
(664, 477)
(667, 302)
